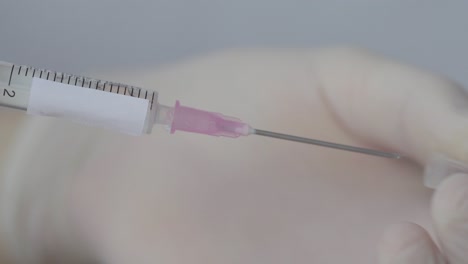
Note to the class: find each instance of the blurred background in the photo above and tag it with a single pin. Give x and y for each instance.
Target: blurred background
(82, 35)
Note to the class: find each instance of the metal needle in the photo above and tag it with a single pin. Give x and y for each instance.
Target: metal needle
(327, 144)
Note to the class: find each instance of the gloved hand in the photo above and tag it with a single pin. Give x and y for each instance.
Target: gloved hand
(410, 243)
(187, 198)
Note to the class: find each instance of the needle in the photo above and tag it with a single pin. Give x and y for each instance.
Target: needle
(327, 144)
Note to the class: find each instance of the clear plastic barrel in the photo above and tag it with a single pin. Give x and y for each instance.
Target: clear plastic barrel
(16, 80)
(14, 91)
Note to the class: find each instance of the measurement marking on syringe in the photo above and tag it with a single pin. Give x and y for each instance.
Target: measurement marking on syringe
(118, 88)
(11, 74)
(152, 100)
(69, 79)
(27, 69)
(76, 80)
(19, 70)
(40, 75)
(48, 73)
(55, 76)
(146, 94)
(34, 72)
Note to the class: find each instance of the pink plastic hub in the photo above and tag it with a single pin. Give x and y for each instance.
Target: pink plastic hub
(208, 123)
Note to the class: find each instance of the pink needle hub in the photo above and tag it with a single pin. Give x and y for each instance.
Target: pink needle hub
(208, 123)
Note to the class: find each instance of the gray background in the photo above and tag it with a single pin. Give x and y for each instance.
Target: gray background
(79, 35)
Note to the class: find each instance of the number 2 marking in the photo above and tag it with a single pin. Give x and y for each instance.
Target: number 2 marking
(9, 93)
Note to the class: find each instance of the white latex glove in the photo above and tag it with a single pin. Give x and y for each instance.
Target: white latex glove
(188, 198)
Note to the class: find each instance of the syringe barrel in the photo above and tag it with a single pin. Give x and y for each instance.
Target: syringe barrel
(16, 81)
(14, 92)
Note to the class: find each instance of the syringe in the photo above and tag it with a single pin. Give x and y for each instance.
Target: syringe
(122, 107)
